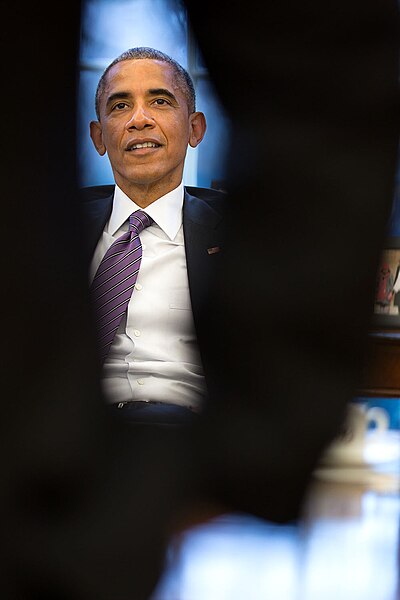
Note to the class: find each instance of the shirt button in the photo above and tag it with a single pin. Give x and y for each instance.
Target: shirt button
(136, 332)
(144, 246)
(138, 286)
(140, 381)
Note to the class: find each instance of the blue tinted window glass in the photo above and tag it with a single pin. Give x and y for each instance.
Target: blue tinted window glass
(212, 150)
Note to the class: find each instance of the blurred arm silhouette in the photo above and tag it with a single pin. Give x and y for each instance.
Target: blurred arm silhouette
(84, 503)
(312, 91)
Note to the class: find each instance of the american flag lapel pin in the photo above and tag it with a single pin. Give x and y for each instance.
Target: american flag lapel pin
(213, 250)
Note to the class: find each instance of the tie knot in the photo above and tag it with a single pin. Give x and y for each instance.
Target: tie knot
(139, 220)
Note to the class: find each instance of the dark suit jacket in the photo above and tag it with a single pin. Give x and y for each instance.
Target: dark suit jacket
(203, 227)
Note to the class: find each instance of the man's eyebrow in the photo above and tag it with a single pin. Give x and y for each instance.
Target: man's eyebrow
(162, 92)
(151, 92)
(118, 96)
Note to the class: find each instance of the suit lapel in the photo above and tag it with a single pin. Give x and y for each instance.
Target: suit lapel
(97, 209)
(202, 227)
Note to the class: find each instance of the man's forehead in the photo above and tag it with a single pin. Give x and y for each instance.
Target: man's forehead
(141, 72)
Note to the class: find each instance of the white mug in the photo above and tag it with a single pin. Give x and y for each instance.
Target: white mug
(348, 448)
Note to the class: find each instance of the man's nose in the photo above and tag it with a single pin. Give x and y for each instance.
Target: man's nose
(140, 118)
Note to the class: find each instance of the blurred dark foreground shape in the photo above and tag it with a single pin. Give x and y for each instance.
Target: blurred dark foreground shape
(88, 506)
(312, 92)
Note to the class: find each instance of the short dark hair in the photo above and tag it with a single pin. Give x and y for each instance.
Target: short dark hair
(184, 80)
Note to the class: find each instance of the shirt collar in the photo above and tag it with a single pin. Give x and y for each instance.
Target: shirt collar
(165, 211)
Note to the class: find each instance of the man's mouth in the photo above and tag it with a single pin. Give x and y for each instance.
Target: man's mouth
(138, 146)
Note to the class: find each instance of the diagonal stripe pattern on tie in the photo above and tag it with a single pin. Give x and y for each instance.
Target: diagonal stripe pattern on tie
(115, 279)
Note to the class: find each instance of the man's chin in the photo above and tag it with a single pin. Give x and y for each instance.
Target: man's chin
(151, 180)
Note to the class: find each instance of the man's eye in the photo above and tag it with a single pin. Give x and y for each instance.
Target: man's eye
(160, 101)
(120, 106)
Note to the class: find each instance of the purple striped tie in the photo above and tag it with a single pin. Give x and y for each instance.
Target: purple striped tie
(115, 279)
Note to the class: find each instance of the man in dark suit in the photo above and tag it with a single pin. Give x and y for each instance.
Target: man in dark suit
(145, 104)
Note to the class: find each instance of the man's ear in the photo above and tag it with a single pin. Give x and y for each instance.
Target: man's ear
(198, 126)
(96, 133)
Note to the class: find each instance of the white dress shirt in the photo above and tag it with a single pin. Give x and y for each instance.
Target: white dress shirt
(154, 355)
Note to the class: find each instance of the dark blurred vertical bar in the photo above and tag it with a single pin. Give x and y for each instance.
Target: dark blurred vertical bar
(79, 500)
(312, 91)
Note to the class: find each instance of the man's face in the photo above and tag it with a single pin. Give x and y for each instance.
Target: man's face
(145, 126)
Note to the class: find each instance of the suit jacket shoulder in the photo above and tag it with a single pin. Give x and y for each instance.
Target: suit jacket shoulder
(215, 200)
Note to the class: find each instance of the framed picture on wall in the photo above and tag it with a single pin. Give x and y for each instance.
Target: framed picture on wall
(387, 292)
